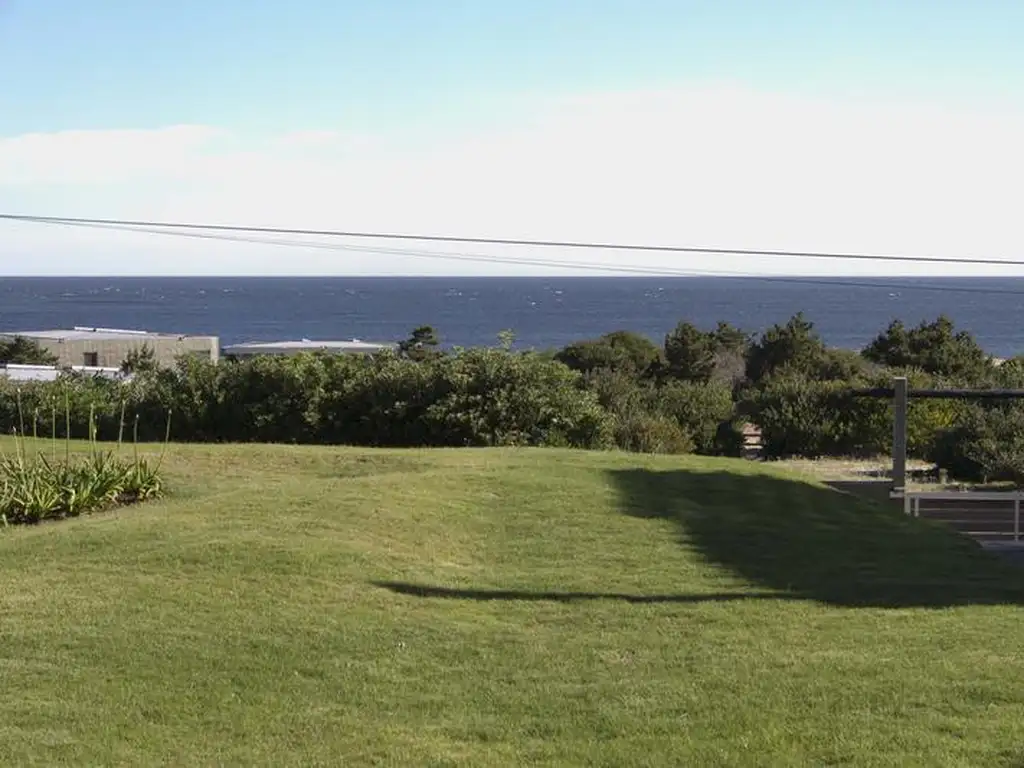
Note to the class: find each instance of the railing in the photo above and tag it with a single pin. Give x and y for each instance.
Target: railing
(991, 515)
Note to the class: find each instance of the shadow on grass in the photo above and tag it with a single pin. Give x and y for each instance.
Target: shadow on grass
(816, 543)
(423, 590)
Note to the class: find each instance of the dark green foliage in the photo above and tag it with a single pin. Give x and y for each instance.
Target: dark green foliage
(799, 416)
(794, 348)
(935, 347)
(22, 351)
(491, 397)
(645, 432)
(702, 410)
(139, 360)
(641, 407)
(1010, 374)
(618, 390)
(985, 443)
(618, 351)
(266, 400)
(845, 365)
(804, 417)
(702, 356)
(422, 343)
(381, 400)
(472, 397)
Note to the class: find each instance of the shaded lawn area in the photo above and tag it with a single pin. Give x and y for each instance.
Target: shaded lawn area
(314, 606)
(811, 543)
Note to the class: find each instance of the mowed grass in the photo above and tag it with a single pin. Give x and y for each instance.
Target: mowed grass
(327, 606)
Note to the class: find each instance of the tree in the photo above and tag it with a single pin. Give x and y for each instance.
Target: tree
(618, 351)
(21, 351)
(794, 347)
(935, 347)
(702, 356)
(689, 353)
(421, 344)
(138, 360)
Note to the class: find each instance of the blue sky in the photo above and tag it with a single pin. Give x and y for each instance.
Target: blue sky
(410, 114)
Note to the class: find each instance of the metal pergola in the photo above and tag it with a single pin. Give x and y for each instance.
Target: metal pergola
(901, 394)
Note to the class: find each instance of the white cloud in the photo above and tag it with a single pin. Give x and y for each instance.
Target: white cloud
(102, 157)
(701, 166)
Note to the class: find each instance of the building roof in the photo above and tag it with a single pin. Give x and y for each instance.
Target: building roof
(306, 345)
(81, 333)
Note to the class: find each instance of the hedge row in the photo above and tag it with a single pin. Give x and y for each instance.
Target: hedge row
(469, 398)
(692, 394)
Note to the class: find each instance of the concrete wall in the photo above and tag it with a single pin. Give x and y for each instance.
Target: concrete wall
(112, 352)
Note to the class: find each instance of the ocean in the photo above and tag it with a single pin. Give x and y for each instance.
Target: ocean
(543, 312)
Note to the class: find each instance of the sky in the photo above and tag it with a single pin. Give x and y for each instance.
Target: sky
(881, 126)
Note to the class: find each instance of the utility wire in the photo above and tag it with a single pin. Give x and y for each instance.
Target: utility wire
(508, 241)
(550, 263)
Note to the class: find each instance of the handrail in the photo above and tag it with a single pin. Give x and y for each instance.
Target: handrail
(967, 495)
(912, 502)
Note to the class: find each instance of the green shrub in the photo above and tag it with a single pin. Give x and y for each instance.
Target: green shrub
(702, 410)
(271, 399)
(623, 391)
(645, 432)
(471, 397)
(493, 397)
(935, 348)
(986, 444)
(802, 417)
(618, 351)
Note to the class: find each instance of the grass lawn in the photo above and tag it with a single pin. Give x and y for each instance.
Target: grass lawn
(304, 606)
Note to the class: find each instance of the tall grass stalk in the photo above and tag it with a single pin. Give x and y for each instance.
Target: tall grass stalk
(19, 438)
(120, 427)
(53, 430)
(67, 425)
(135, 440)
(93, 431)
(167, 441)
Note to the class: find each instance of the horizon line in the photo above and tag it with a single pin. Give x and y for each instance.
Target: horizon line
(575, 275)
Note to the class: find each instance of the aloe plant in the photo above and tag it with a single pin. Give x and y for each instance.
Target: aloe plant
(40, 487)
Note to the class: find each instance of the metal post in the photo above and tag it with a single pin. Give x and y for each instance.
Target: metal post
(1016, 518)
(900, 402)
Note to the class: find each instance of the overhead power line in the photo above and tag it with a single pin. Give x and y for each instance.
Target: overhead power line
(508, 241)
(541, 262)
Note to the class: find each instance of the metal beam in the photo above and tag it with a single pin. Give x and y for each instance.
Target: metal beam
(943, 394)
(900, 404)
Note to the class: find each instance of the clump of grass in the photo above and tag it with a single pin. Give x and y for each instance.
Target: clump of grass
(35, 488)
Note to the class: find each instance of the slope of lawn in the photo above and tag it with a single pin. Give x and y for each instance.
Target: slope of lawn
(303, 606)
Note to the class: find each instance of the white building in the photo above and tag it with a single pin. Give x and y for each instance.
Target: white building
(355, 346)
(22, 372)
(108, 347)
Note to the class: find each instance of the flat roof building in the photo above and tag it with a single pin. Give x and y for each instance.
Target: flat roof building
(23, 372)
(108, 347)
(355, 346)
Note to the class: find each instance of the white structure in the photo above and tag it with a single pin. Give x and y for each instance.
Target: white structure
(108, 347)
(355, 346)
(21, 372)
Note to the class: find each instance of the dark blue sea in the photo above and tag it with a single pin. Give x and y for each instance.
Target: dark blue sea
(543, 311)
